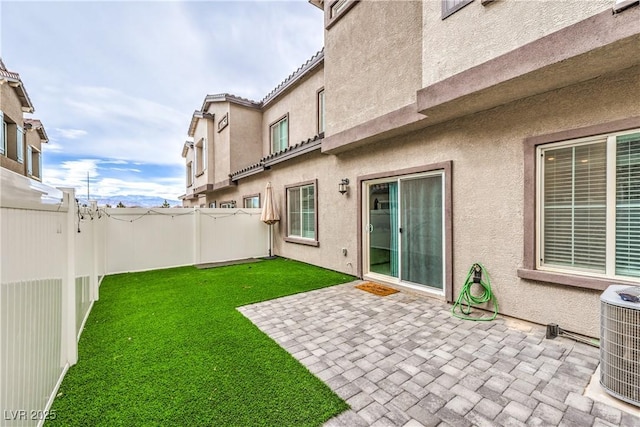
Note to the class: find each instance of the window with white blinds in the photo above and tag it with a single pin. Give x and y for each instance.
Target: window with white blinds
(584, 186)
(628, 205)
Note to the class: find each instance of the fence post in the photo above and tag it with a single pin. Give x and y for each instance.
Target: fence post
(196, 236)
(94, 293)
(69, 343)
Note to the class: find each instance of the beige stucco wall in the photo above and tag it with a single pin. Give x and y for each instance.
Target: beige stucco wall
(300, 104)
(219, 145)
(204, 129)
(245, 136)
(487, 154)
(372, 62)
(476, 33)
(12, 108)
(10, 103)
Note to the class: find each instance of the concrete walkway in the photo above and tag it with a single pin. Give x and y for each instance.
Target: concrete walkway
(403, 360)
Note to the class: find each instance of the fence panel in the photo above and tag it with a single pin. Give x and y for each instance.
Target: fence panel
(34, 243)
(144, 239)
(231, 234)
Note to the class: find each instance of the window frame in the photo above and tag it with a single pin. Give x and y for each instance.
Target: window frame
(228, 204)
(190, 174)
(299, 239)
(200, 156)
(621, 5)
(272, 126)
(530, 269)
(336, 10)
(320, 111)
(450, 11)
(251, 197)
(3, 135)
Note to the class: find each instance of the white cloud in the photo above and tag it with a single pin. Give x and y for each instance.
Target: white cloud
(117, 82)
(71, 133)
(74, 174)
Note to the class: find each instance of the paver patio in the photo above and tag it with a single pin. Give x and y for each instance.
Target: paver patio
(404, 360)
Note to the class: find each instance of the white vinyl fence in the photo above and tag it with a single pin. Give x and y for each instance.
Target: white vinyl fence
(54, 255)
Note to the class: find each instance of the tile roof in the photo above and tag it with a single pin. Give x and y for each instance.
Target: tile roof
(311, 64)
(266, 162)
(227, 97)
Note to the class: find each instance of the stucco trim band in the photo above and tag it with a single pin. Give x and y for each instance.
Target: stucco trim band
(395, 123)
(528, 270)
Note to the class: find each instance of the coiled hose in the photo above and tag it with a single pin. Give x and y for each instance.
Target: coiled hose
(466, 298)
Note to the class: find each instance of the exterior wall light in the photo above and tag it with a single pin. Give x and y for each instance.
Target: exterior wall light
(342, 186)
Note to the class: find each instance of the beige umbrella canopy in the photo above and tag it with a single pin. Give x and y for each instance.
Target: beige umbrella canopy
(269, 212)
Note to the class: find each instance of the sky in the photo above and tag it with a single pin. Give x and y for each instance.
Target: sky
(115, 83)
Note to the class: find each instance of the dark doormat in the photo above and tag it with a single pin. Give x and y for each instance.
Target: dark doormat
(377, 289)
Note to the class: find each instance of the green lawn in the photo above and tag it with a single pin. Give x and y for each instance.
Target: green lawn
(169, 348)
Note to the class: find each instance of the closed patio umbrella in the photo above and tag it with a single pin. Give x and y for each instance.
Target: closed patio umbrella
(269, 212)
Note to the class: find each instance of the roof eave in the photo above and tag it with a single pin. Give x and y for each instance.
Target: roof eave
(197, 115)
(308, 67)
(318, 3)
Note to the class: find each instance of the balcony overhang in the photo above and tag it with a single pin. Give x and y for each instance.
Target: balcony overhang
(202, 189)
(602, 44)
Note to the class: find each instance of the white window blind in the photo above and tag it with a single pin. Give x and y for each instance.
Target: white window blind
(628, 205)
(280, 135)
(574, 206)
(29, 161)
(301, 215)
(20, 144)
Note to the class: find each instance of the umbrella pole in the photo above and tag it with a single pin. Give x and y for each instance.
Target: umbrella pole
(270, 238)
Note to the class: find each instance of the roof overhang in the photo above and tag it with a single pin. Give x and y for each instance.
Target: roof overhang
(37, 126)
(226, 97)
(185, 148)
(13, 79)
(603, 44)
(248, 171)
(318, 3)
(198, 115)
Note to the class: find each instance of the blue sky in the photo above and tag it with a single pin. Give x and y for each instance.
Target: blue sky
(115, 83)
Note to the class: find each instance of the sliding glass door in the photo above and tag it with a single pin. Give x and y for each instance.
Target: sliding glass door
(404, 229)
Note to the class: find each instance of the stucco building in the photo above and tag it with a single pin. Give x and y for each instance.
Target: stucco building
(21, 138)
(499, 132)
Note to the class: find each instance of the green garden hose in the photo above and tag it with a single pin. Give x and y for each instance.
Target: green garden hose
(466, 298)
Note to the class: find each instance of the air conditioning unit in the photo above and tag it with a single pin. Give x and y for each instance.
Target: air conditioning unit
(620, 343)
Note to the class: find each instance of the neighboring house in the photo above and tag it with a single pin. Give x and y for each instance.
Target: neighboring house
(20, 138)
(233, 137)
(505, 133)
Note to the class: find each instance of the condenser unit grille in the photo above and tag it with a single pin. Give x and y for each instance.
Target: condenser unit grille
(620, 348)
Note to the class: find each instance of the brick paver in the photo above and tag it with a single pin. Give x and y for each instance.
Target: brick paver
(403, 360)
